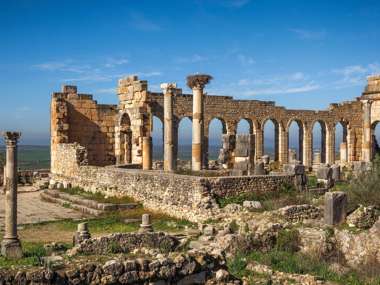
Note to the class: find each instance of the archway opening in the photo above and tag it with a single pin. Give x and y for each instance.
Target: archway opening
(244, 126)
(157, 139)
(216, 129)
(125, 147)
(341, 154)
(375, 139)
(184, 139)
(295, 141)
(271, 139)
(319, 142)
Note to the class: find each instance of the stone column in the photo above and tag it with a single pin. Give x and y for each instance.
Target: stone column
(169, 158)
(307, 148)
(147, 153)
(196, 150)
(323, 144)
(330, 145)
(197, 83)
(259, 144)
(284, 145)
(11, 246)
(366, 148)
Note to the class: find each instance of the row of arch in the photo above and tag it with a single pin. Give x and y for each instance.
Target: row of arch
(270, 137)
(217, 127)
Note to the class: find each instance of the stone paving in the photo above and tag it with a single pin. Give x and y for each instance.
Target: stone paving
(31, 209)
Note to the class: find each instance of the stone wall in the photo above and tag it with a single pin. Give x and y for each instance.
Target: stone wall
(182, 196)
(78, 118)
(191, 268)
(236, 185)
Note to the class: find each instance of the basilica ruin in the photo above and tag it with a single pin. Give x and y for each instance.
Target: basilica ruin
(121, 134)
(108, 148)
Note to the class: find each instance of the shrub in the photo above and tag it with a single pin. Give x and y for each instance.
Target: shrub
(287, 240)
(365, 189)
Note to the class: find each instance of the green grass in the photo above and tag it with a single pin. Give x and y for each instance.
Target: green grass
(32, 254)
(287, 195)
(295, 263)
(31, 157)
(115, 222)
(312, 181)
(99, 197)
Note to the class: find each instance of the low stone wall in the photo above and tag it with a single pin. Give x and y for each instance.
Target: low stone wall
(297, 213)
(182, 196)
(235, 185)
(195, 268)
(126, 243)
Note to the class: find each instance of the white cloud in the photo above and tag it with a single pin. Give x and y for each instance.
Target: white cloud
(353, 75)
(309, 34)
(62, 66)
(112, 62)
(191, 59)
(245, 60)
(285, 90)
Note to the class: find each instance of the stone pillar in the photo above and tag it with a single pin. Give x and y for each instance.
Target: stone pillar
(323, 143)
(11, 246)
(197, 83)
(197, 137)
(169, 158)
(146, 224)
(335, 207)
(284, 145)
(259, 144)
(330, 145)
(366, 147)
(147, 153)
(307, 148)
(343, 152)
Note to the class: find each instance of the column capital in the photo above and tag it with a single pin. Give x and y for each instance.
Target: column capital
(168, 88)
(11, 138)
(198, 81)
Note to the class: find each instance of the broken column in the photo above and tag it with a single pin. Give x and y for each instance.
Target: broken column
(11, 246)
(147, 153)
(197, 83)
(169, 158)
(244, 154)
(343, 152)
(82, 233)
(146, 225)
(335, 207)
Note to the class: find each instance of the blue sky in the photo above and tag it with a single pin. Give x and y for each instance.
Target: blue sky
(301, 54)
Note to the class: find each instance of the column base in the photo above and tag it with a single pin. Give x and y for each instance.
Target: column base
(11, 248)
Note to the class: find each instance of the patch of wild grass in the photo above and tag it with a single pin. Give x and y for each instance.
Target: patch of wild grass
(365, 189)
(32, 254)
(289, 262)
(98, 196)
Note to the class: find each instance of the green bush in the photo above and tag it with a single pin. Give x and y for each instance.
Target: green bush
(298, 263)
(287, 240)
(365, 189)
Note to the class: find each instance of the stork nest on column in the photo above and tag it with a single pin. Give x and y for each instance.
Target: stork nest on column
(198, 80)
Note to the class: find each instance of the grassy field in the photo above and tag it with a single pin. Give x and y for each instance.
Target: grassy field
(31, 156)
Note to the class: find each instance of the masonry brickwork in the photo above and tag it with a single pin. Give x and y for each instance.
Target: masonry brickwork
(114, 134)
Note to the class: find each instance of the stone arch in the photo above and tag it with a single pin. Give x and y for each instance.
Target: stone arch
(207, 136)
(375, 138)
(340, 140)
(157, 133)
(182, 138)
(249, 122)
(123, 139)
(276, 143)
(300, 144)
(323, 142)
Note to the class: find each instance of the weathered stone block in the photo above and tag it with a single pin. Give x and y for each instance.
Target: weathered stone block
(335, 207)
